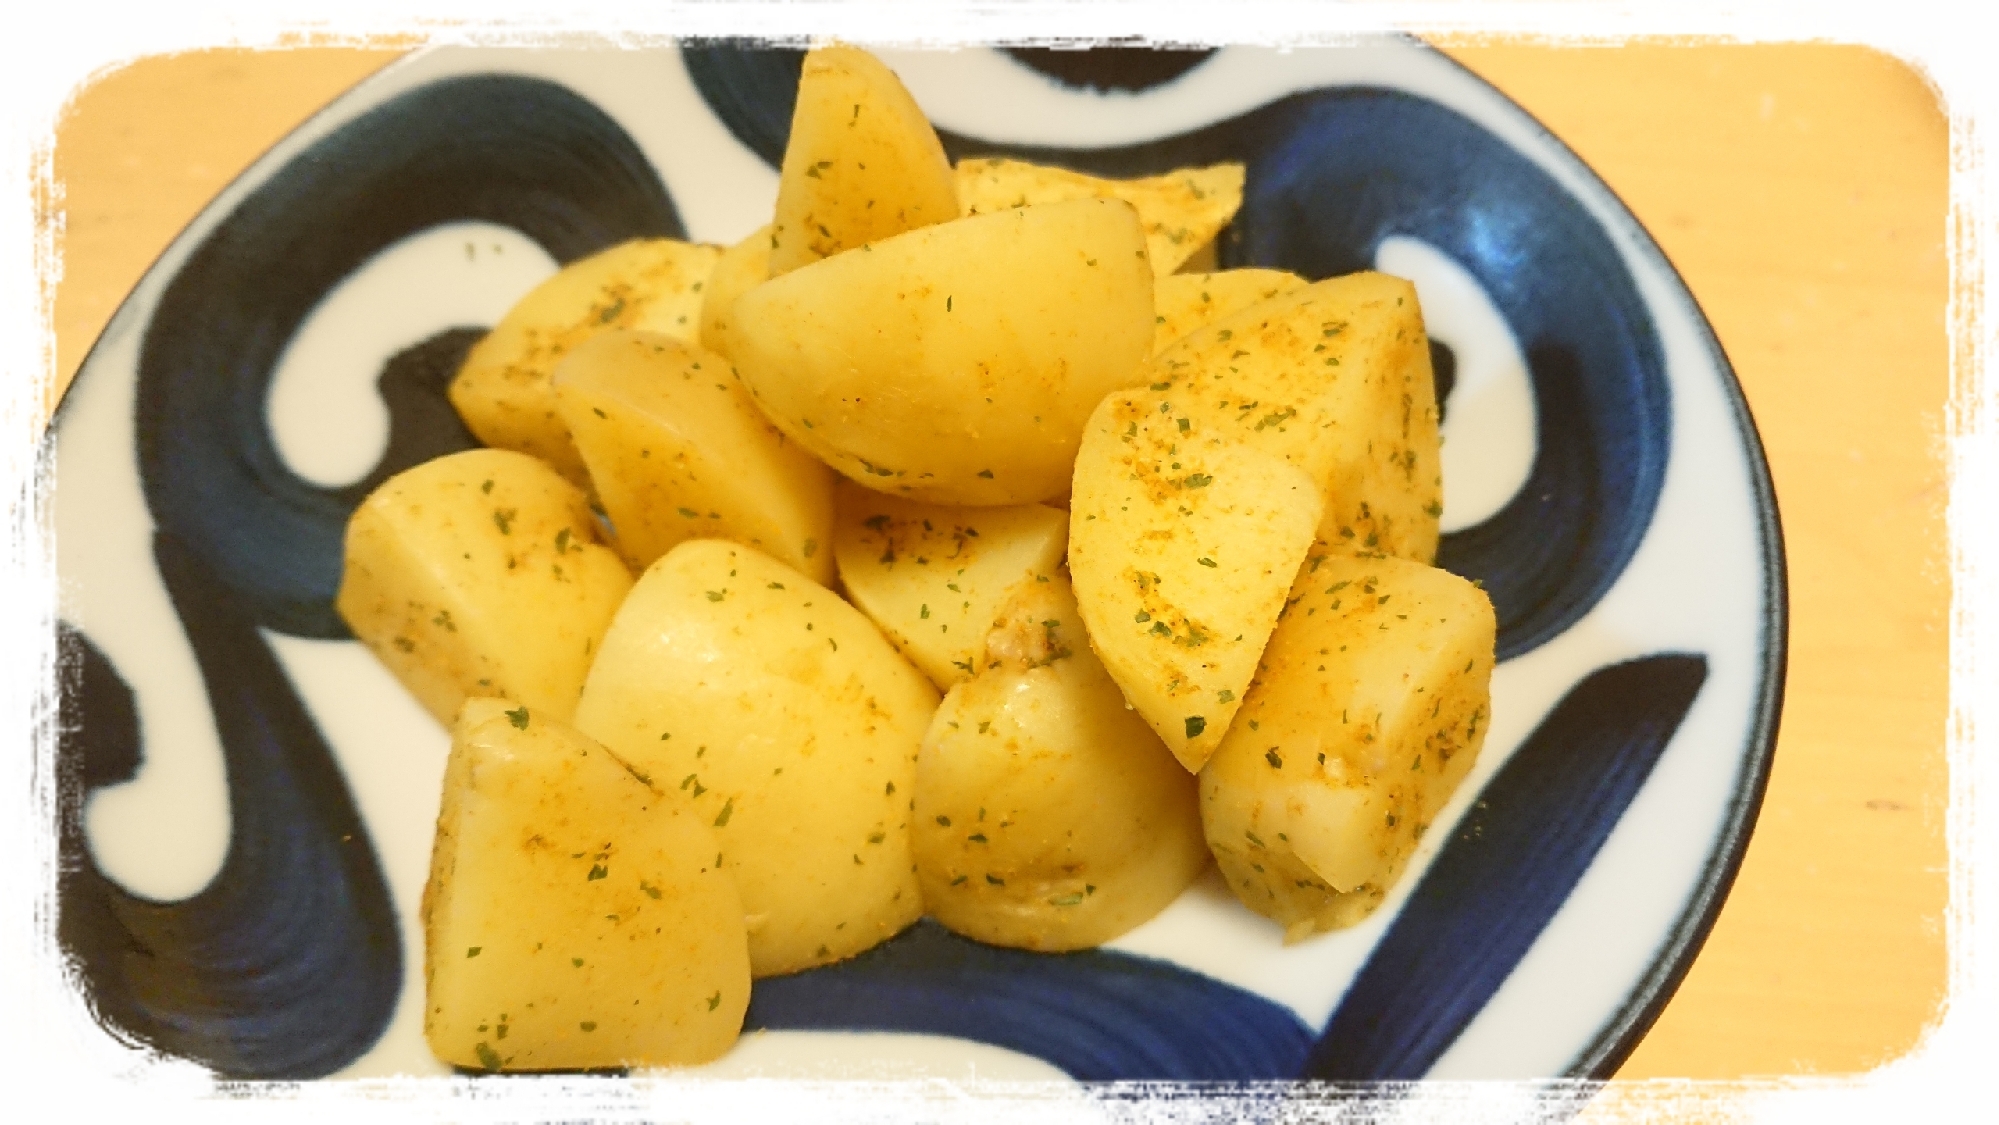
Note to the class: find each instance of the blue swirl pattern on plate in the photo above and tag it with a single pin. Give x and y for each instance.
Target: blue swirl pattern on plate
(1098, 1015)
(234, 978)
(524, 153)
(288, 964)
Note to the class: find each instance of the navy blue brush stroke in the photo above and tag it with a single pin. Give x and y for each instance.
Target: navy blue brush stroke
(751, 88)
(1331, 173)
(519, 152)
(1124, 68)
(1097, 1015)
(288, 964)
(1508, 867)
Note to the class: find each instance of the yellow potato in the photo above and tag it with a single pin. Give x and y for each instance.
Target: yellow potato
(677, 450)
(1182, 547)
(1182, 210)
(1369, 707)
(574, 917)
(480, 573)
(1048, 816)
(741, 268)
(1334, 378)
(955, 364)
(935, 577)
(862, 163)
(1186, 301)
(793, 726)
(502, 391)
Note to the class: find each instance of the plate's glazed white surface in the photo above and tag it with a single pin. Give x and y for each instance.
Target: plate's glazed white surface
(1704, 578)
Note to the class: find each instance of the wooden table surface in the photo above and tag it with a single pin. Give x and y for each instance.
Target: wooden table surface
(1802, 191)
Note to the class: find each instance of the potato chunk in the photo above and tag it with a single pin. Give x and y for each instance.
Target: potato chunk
(677, 450)
(1182, 547)
(480, 573)
(862, 163)
(1182, 210)
(1369, 707)
(1048, 816)
(1334, 378)
(793, 726)
(503, 392)
(934, 577)
(574, 917)
(1186, 301)
(955, 364)
(741, 268)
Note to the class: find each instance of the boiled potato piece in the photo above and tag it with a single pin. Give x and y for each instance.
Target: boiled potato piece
(502, 391)
(955, 364)
(934, 577)
(1370, 706)
(574, 917)
(677, 450)
(480, 573)
(741, 268)
(1186, 301)
(791, 724)
(1182, 210)
(1182, 547)
(1334, 378)
(862, 162)
(1048, 816)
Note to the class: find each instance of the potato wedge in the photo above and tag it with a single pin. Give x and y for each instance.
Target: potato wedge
(791, 723)
(862, 162)
(1186, 301)
(1182, 547)
(1182, 210)
(502, 391)
(1334, 378)
(1369, 707)
(574, 917)
(1048, 815)
(934, 577)
(677, 450)
(955, 364)
(741, 268)
(480, 573)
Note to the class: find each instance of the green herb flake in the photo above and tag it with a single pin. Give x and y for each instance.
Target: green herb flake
(715, 1001)
(995, 880)
(488, 1057)
(986, 473)
(519, 717)
(1195, 725)
(1271, 756)
(473, 951)
(503, 518)
(717, 595)
(597, 871)
(1198, 480)
(1207, 562)
(728, 807)
(1071, 899)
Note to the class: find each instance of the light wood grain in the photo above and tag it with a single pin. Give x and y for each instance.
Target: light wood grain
(1801, 190)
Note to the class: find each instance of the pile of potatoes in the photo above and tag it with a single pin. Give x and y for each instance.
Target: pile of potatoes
(989, 566)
